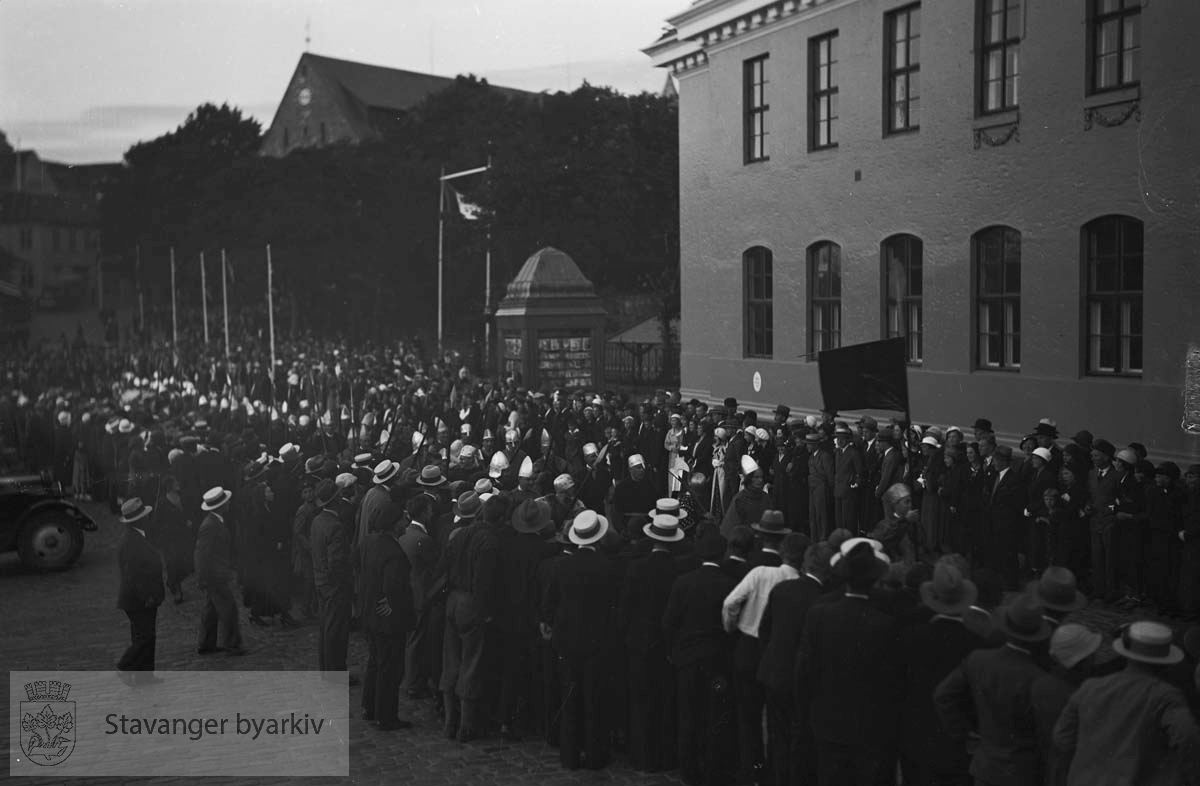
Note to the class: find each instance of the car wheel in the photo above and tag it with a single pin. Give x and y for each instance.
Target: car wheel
(50, 541)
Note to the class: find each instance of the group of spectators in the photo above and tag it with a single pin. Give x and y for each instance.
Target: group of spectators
(654, 576)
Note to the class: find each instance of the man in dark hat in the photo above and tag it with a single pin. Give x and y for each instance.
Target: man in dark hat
(991, 694)
(388, 616)
(983, 428)
(702, 653)
(141, 591)
(848, 477)
(1004, 511)
(821, 472)
(333, 575)
(847, 674)
(930, 650)
(1104, 483)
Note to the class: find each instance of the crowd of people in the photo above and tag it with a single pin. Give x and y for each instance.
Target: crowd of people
(777, 599)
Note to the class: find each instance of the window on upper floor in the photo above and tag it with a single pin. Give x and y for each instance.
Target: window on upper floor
(902, 310)
(1114, 44)
(999, 54)
(824, 296)
(822, 91)
(754, 101)
(997, 261)
(1112, 259)
(759, 319)
(902, 87)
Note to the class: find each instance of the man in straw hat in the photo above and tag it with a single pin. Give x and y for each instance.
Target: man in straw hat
(991, 694)
(472, 560)
(644, 595)
(214, 576)
(141, 591)
(423, 651)
(847, 674)
(334, 578)
(576, 617)
(1132, 726)
(929, 651)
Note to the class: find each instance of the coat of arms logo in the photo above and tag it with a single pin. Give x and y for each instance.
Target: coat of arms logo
(47, 722)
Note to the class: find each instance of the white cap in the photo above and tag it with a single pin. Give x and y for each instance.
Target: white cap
(526, 470)
(417, 439)
(498, 464)
(762, 434)
(1044, 454)
(931, 441)
(749, 466)
(636, 460)
(589, 449)
(564, 482)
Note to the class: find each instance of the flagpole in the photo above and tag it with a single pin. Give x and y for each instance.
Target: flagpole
(141, 296)
(271, 317)
(204, 296)
(225, 303)
(174, 316)
(441, 221)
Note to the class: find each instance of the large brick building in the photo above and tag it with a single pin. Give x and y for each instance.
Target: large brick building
(331, 101)
(1010, 184)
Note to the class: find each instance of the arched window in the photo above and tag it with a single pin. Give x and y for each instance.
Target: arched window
(756, 272)
(824, 296)
(997, 261)
(901, 259)
(1112, 260)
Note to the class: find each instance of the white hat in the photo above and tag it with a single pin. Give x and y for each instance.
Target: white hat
(498, 464)
(360, 460)
(64, 418)
(304, 421)
(125, 426)
(468, 451)
(345, 480)
(931, 441)
(511, 435)
(750, 431)
(203, 401)
(526, 470)
(749, 466)
(385, 437)
(215, 497)
(1148, 642)
(483, 486)
(587, 528)
(589, 449)
(1044, 454)
(812, 421)
(134, 509)
(564, 482)
(720, 433)
(417, 439)
(174, 455)
(385, 470)
(664, 528)
(288, 449)
(849, 544)
(761, 434)
(304, 403)
(636, 460)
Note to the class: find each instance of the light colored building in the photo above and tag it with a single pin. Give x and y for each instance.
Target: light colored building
(1011, 184)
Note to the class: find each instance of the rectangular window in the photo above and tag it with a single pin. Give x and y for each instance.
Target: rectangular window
(514, 358)
(902, 87)
(1115, 44)
(999, 55)
(824, 297)
(26, 238)
(757, 264)
(1113, 250)
(998, 298)
(822, 91)
(564, 359)
(754, 78)
(902, 292)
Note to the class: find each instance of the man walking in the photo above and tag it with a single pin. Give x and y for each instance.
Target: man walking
(214, 576)
(141, 592)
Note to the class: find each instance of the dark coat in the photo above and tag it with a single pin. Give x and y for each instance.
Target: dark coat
(849, 469)
(141, 569)
(848, 677)
(214, 551)
(891, 470)
(692, 619)
(644, 594)
(580, 604)
(385, 572)
(780, 629)
(423, 554)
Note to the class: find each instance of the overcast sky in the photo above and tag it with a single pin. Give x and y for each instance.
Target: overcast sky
(82, 80)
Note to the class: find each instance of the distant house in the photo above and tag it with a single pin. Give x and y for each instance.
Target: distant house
(330, 101)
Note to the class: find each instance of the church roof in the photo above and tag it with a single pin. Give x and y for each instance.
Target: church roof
(383, 87)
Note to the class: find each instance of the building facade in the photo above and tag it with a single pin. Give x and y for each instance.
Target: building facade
(1009, 184)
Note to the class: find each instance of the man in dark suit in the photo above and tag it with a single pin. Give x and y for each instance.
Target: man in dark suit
(1104, 483)
(848, 476)
(643, 599)
(214, 575)
(790, 754)
(702, 653)
(578, 616)
(1004, 507)
(891, 469)
(990, 692)
(929, 651)
(737, 563)
(388, 617)
(548, 678)
(334, 579)
(141, 592)
(423, 651)
(868, 436)
(847, 674)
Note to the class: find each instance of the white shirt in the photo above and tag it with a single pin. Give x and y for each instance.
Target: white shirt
(744, 606)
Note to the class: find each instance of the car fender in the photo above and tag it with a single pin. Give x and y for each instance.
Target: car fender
(86, 523)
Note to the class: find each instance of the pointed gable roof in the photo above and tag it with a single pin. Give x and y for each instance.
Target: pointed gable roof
(550, 280)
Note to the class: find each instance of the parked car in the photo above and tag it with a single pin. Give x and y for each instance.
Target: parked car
(39, 523)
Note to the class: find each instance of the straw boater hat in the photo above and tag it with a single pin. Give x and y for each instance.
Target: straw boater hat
(431, 475)
(1057, 590)
(948, 593)
(668, 506)
(134, 510)
(1022, 620)
(1148, 642)
(216, 497)
(255, 471)
(588, 528)
(384, 471)
(664, 528)
(860, 559)
(362, 461)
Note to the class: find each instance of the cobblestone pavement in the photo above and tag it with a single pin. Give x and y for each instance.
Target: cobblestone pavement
(69, 621)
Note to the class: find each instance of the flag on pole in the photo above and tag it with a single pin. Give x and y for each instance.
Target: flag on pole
(468, 210)
(873, 375)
